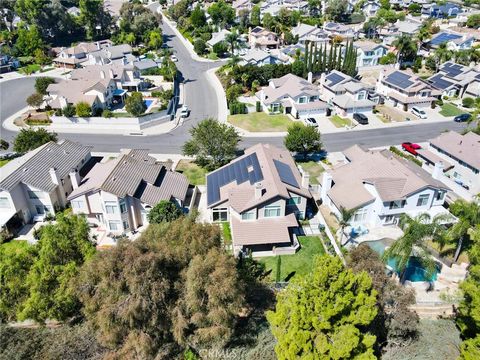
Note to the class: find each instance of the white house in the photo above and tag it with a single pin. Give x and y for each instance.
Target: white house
(39, 182)
(456, 80)
(336, 29)
(369, 52)
(73, 56)
(455, 41)
(119, 193)
(293, 95)
(310, 33)
(259, 57)
(370, 8)
(261, 38)
(381, 187)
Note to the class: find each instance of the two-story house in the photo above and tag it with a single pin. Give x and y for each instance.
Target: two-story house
(390, 32)
(293, 95)
(242, 5)
(456, 80)
(345, 94)
(454, 41)
(370, 8)
(441, 11)
(116, 54)
(260, 57)
(259, 37)
(369, 53)
(119, 193)
(336, 29)
(261, 194)
(308, 33)
(404, 89)
(380, 187)
(39, 182)
(72, 57)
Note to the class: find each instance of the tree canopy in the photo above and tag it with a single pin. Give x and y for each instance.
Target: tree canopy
(325, 314)
(29, 139)
(302, 139)
(134, 104)
(164, 211)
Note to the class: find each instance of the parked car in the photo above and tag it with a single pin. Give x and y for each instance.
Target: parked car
(360, 118)
(411, 148)
(311, 122)
(173, 58)
(185, 111)
(419, 112)
(462, 117)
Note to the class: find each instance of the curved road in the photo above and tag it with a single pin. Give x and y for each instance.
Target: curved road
(201, 99)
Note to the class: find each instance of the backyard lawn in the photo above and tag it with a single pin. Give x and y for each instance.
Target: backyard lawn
(449, 109)
(297, 264)
(194, 173)
(260, 121)
(340, 122)
(4, 161)
(314, 169)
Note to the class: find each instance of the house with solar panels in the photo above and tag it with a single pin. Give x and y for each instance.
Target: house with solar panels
(441, 11)
(261, 194)
(456, 80)
(345, 94)
(292, 95)
(261, 38)
(454, 41)
(403, 89)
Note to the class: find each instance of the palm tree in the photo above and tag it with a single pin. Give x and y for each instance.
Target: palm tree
(406, 48)
(233, 39)
(468, 214)
(343, 221)
(442, 54)
(416, 232)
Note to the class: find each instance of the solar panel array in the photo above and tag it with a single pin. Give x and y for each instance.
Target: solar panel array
(444, 37)
(334, 79)
(439, 82)
(237, 171)
(452, 69)
(399, 79)
(285, 173)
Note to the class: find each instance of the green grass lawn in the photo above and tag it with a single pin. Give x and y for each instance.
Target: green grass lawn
(29, 69)
(194, 173)
(226, 233)
(4, 161)
(314, 169)
(297, 264)
(449, 109)
(260, 121)
(340, 122)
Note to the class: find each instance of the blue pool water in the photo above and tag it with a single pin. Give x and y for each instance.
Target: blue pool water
(148, 102)
(414, 272)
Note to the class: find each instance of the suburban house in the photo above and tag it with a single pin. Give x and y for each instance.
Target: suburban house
(454, 41)
(293, 95)
(456, 80)
(242, 5)
(273, 7)
(380, 187)
(369, 52)
(461, 158)
(259, 37)
(441, 11)
(39, 182)
(261, 195)
(259, 57)
(337, 29)
(310, 33)
(404, 89)
(370, 8)
(116, 54)
(218, 37)
(410, 26)
(73, 56)
(345, 94)
(118, 194)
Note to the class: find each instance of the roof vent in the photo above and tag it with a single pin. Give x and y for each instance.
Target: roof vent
(25, 169)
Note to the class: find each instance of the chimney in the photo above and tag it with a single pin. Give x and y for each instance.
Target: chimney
(322, 79)
(258, 190)
(310, 77)
(102, 74)
(74, 178)
(326, 185)
(54, 176)
(438, 170)
(305, 179)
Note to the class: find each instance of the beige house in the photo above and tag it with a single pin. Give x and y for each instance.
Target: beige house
(72, 57)
(118, 194)
(293, 95)
(261, 194)
(259, 37)
(39, 182)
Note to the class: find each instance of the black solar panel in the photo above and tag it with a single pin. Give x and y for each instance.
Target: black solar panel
(444, 37)
(399, 79)
(452, 69)
(334, 79)
(237, 171)
(285, 173)
(439, 82)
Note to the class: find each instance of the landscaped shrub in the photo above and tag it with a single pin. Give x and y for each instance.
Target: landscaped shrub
(107, 113)
(468, 102)
(69, 110)
(258, 106)
(135, 105)
(200, 46)
(439, 102)
(238, 108)
(394, 150)
(82, 109)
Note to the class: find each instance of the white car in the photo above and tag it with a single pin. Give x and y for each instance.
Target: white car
(419, 112)
(311, 122)
(185, 111)
(173, 58)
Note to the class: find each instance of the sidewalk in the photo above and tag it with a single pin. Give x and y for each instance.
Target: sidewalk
(221, 98)
(56, 72)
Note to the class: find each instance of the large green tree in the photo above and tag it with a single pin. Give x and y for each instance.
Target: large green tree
(302, 139)
(28, 40)
(213, 144)
(96, 20)
(164, 211)
(41, 84)
(468, 215)
(325, 314)
(406, 48)
(135, 104)
(29, 139)
(222, 13)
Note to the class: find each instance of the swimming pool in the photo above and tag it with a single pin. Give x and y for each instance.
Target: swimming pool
(148, 102)
(414, 272)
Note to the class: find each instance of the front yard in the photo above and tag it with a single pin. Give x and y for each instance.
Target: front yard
(314, 169)
(449, 109)
(260, 121)
(194, 173)
(297, 264)
(340, 122)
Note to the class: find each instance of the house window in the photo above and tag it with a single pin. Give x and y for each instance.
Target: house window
(294, 200)
(125, 224)
(114, 225)
(249, 215)
(397, 204)
(440, 195)
(35, 194)
(4, 203)
(389, 219)
(111, 207)
(77, 204)
(40, 209)
(360, 215)
(220, 214)
(272, 211)
(361, 95)
(123, 206)
(275, 107)
(423, 200)
(302, 100)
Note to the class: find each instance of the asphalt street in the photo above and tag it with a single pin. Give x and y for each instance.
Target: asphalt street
(201, 99)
